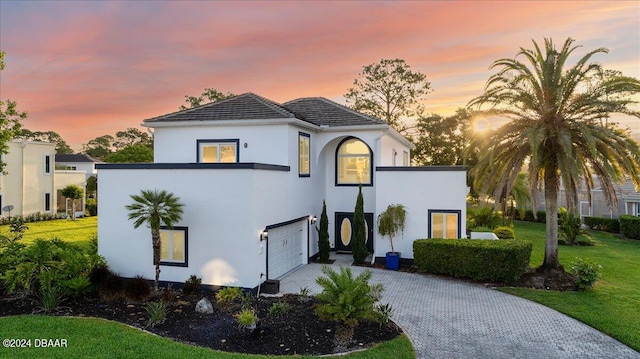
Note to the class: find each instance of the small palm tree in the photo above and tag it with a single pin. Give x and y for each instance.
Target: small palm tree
(156, 208)
(556, 129)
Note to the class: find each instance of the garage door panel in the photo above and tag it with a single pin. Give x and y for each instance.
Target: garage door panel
(286, 248)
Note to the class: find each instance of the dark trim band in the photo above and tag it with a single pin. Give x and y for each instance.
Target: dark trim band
(422, 169)
(192, 166)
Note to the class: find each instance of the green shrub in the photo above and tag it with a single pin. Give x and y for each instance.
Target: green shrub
(570, 226)
(279, 308)
(630, 226)
(50, 298)
(528, 216)
(112, 287)
(586, 271)
(91, 205)
(247, 318)
(384, 313)
(480, 260)
(226, 296)
(610, 225)
(324, 247)
(192, 285)
(483, 217)
(157, 312)
(504, 233)
(345, 299)
(78, 286)
(482, 229)
(137, 289)
(359, 234)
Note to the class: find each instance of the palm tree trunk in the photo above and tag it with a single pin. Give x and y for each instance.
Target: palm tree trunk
(551, 207)
(155, 238)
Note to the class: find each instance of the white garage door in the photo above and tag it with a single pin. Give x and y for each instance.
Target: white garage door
(287, 248)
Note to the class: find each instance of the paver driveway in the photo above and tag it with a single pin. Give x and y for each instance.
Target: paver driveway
(452, 319)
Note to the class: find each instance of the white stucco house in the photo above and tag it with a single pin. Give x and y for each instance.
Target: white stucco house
(31, 184)
(78, 162)
(253, 174)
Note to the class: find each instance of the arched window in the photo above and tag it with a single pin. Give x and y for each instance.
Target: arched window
(353, 163)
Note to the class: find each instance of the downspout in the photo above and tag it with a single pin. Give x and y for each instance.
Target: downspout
(23, 144)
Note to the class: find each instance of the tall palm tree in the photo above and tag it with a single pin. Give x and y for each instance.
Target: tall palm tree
(555, 129)
(156, 208)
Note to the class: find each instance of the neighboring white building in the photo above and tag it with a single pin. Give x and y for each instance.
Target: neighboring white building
(79, 162)
(253, 174)
(32, 184)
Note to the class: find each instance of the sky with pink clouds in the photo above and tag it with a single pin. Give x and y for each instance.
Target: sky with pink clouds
(88, 68)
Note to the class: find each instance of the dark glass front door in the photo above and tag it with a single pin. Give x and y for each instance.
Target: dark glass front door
(344, 231)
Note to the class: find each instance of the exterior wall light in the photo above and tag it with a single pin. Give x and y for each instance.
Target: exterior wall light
(264, 235)
(313, 219)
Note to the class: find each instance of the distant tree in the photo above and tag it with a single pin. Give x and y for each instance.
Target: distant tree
(92, 186)
(442, 140)
(62, 148)
(74, 193)
(130, 137)
(324, 247)
(208, 95)
(555, 129)
(10, 122)
(156, 208)
(131, 154)
(391, 91)
(100, 147)
(359, 236)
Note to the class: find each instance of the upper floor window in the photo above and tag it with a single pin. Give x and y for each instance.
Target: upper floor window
(47, 164)
(218, 151)
(353, 163)
(304, 146)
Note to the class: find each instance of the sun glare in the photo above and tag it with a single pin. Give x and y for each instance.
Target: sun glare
(481, 124)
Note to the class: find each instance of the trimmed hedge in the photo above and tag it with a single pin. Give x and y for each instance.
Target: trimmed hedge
(504, 233)
(630, 226)
(528, 216)
(610, 225)
(480, 260)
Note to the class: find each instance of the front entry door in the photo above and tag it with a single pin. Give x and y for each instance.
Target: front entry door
(344, 230)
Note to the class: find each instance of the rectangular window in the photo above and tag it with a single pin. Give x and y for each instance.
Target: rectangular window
(47, 202)
(405, 158)
(304, 147)
(444, 224)
(174, 246)
(394, 154)
(47, 164)
(218, 151)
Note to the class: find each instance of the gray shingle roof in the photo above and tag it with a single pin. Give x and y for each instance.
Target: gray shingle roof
(321, 111)
(78, 157)
(248, 106)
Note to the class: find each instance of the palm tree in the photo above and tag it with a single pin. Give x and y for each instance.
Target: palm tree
(555, 129)
(155, 208)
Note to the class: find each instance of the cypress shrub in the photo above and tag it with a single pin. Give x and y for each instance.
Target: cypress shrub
(480, 260)
(359, 236)
(323, 235)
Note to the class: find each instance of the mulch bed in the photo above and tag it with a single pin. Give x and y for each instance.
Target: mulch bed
(299, 331)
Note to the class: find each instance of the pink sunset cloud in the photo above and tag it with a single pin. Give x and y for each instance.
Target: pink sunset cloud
(84, 69)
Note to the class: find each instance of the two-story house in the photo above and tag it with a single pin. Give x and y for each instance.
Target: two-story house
(253, 175)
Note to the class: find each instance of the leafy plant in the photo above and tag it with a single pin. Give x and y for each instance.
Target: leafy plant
(78, 286)
(17, 227)
(504, 233)
(279, 308)
(483, 217)
(50, 298)
(391, 221)
(586, 271)
(346, 299)
(247, 318)
(324, 247)
(305, 294)
(192, 285)
(384, 312)
(246, 299)
(226, 296)
(73, 192)
(157, 312)
(359, 236)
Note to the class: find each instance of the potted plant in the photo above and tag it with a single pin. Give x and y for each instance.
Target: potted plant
(390, 222)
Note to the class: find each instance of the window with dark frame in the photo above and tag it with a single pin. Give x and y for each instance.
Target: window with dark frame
(174, 245)
(353, 163)
(47, 164)
(47, 202)
(218, 151)
(304, 157)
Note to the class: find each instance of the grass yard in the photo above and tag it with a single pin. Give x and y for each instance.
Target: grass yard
(613, 305)
(98, 338)
(78, 231)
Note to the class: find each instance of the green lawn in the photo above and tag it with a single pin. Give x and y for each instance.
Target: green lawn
(98, 338)
(78, 231)
(613, 305)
